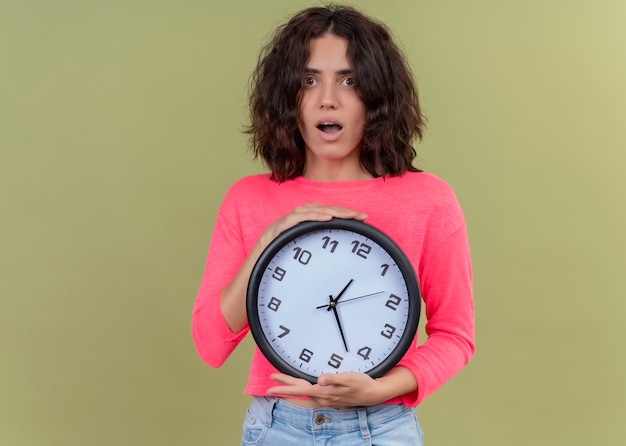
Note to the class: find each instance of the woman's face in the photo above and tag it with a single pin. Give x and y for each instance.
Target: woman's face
(332, 116)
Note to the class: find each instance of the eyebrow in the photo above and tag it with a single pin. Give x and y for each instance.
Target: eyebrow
(339, 72)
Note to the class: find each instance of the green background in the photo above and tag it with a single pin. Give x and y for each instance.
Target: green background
(120, 130)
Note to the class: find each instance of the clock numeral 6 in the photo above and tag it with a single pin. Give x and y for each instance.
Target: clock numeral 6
(388, 333)
(306, 355)
(361, 249)
(279, 273)
(393, 302)
(335, 361)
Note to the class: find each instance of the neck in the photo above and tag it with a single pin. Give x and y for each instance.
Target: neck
(333, 171)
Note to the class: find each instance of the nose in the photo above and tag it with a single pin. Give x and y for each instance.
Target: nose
(329, 98)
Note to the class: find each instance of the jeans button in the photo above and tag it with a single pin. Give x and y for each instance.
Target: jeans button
(320, 419)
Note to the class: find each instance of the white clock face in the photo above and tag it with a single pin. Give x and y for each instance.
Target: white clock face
(333, 300)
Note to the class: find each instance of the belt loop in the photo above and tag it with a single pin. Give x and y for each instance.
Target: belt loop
(363, 425)
(270, 410)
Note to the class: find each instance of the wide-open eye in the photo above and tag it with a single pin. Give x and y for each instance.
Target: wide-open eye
(348, 81)
(309, 81)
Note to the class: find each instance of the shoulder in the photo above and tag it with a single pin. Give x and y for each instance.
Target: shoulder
(431, 197)
(249, 187)
(251, 183)
(423, 185)
(251, 193)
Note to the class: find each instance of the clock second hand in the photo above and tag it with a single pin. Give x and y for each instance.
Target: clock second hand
(348, 300)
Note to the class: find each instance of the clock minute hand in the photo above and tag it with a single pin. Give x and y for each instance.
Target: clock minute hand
(332, 306)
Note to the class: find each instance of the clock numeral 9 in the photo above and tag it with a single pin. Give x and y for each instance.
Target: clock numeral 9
(361, 249)
(332, 243)
(393, 302)
(335, 361)
(388, 333)
(302, 255)
(306, 355)
(279, 273)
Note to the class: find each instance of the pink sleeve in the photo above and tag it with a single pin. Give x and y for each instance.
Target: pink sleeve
(213, 338)
(446, 285)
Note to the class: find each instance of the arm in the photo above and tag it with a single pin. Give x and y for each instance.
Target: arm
(219, 319)
(446, 283)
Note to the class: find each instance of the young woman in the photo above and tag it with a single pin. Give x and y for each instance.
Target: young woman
(334, 111)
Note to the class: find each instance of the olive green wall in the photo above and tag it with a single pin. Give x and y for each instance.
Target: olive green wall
(120, 131)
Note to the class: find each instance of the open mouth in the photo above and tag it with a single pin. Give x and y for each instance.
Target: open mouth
(329, 127)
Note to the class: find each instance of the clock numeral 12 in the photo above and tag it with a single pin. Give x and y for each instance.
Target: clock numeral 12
(361, 249)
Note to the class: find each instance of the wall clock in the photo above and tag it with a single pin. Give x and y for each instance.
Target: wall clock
(331, 297)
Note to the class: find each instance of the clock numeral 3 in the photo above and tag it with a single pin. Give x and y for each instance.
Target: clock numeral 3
(393, 302)
(306, 355)
(335, 361)
(388, 333)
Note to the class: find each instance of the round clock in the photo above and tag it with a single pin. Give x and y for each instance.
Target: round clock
(330, 297)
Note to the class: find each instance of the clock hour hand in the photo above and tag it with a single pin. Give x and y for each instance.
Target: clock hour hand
(334, 301)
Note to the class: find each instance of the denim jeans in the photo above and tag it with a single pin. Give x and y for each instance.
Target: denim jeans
(272, 422)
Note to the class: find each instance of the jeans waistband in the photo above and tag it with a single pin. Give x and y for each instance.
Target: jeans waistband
(327, 418)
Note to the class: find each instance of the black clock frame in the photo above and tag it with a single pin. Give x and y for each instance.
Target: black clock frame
(366, 230)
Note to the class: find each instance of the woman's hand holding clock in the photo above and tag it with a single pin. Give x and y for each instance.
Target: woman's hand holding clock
(306, 212)
(348, 389)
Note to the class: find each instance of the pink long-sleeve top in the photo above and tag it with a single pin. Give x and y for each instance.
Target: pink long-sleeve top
(418, 211)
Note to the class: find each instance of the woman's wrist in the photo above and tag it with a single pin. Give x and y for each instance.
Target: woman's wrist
(397, 382)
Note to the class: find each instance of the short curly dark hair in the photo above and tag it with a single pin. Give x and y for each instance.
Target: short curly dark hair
(384, 83)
